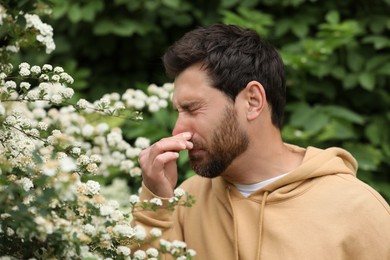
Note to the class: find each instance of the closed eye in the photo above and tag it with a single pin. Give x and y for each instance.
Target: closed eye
(190, 107)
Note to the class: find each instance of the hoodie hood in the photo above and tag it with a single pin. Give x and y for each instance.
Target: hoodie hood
(316, 163)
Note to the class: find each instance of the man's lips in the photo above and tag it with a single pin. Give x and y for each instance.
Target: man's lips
(195, 152)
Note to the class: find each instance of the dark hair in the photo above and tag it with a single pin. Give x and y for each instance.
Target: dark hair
(232, 57)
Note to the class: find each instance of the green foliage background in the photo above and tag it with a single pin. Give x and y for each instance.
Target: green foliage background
(336, 53)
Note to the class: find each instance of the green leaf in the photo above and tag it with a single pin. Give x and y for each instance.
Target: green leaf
(60, 8)
(384, 70)
(228, 3)
(300, 29)
(247, 18)
(316, 122)
(338, 72)
(367, 80)
(350, 81)
(74, 13)
(123, 27)
(379, 42)
(377, 62)
(301, 114)
(281, 27)
(355, 61)
(368, 156)
(332, 17)
(174, 4)
(344, 113)
(337, 130)
(378, 131)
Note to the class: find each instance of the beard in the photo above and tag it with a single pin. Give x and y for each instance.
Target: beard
(228, 141)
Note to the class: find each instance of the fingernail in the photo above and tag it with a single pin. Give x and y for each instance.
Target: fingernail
(187, 135)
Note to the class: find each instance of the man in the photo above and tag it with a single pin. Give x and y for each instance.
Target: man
(256, 197)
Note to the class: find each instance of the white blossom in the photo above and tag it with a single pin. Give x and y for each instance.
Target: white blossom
(82, 103)
(152, 252)
(179, 192)
(93, 187)
(156, 232)
(106, 210)
(123, 250)
(55, 78)
(45, 35)
(24, 65)
(139, 255)
(123, 230)
(134, 199)
(10, 84)
(58, 69)
(50, 168)
(33, 94)
(136, 171)
(92, 167)
(153, 107)
(56, 99)
(35, 69)
(44, 77)
(102, 128)
(2, 109)
(67, 93)
(24, 72)
(89, 229)
(191, 252)
(25, 85)
(139, 232)
(76, 151)
(96, 158)
(142, 142)
(126, 165)
(26, 183)
(132, 152)
(83, 159)
(67, 164)
(47, 67)
(66, 77)
(156, 201)
(87, 130)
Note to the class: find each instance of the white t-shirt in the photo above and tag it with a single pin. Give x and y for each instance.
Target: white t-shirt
(248, 189)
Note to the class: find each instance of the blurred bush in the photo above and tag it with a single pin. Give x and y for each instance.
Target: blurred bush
(336, 54)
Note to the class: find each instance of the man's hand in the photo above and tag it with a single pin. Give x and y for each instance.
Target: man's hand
(158, 163)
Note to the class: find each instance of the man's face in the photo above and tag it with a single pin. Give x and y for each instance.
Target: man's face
(210, 116)
(227, 141)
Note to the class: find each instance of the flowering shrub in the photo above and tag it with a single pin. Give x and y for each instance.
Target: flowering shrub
(53, 154)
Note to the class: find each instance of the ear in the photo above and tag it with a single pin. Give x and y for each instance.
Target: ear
(255, 98)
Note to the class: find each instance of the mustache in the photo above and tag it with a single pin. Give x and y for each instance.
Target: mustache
(197, 144)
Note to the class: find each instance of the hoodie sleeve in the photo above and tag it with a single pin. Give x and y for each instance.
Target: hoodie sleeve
(164, 219)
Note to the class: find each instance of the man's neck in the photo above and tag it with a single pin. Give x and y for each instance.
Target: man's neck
(258, 163)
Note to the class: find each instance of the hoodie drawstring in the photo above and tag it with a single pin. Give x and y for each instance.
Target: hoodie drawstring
(261, 220)
(234, 224)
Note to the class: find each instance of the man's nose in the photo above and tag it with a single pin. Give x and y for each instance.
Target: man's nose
(181, 125)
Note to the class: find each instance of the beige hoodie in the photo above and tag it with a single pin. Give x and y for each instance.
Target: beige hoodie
(318, 211)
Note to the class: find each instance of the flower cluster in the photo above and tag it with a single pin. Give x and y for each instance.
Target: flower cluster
(57, 159)
(180, 198)
(177, 249)
(158, 97)
(34, 120)
(41, 32)
(49, 150)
